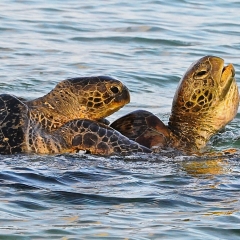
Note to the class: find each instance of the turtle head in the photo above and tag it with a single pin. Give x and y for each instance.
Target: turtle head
(90, 97)
(205, 101)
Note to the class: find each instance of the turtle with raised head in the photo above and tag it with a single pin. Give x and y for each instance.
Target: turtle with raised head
(67, 119)
(206, 99)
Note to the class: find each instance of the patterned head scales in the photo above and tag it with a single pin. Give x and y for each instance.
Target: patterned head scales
(206, 85)
(90, 97)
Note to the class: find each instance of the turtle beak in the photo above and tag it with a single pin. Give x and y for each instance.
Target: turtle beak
(227, 78)
(229, 68)
(123, 96)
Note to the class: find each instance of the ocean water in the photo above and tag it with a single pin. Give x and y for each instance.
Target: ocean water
(148, 45)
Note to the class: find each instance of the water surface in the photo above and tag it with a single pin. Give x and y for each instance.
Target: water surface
(148, 45)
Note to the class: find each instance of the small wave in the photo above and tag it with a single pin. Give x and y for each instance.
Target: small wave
(121, 39)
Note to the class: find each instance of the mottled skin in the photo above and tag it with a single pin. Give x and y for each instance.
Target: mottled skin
(206, 99)
(66, 120)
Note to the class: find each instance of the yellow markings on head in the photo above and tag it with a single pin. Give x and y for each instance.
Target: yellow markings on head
(48, 105)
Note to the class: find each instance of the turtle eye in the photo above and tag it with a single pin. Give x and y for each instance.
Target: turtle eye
(114, 89)
(202, 72)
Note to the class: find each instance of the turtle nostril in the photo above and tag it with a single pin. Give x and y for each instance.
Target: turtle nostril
(114, 89)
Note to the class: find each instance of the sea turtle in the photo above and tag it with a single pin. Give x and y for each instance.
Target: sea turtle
(205, 101)
(67, 119)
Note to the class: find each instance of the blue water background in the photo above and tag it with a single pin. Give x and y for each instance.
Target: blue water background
(148, 45)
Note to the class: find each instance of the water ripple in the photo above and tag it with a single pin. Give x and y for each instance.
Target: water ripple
(148, 45)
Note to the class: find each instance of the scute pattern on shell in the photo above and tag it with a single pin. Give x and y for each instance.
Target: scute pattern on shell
(11, 122)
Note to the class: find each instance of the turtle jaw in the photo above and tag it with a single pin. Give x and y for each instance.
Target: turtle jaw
(228, 104)
(124, 97)
(223, 75)
(226, 80)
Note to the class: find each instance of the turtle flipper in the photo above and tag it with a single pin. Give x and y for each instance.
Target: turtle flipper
(91, 136)
(143, 127)
(97, 138)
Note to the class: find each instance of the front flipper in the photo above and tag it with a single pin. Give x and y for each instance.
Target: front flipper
(97, 138)
(143, 127)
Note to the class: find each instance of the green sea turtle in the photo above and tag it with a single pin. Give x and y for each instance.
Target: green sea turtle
(205, 101)
(67, 119)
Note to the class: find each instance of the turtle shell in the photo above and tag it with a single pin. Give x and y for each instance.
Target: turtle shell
(11, 124)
